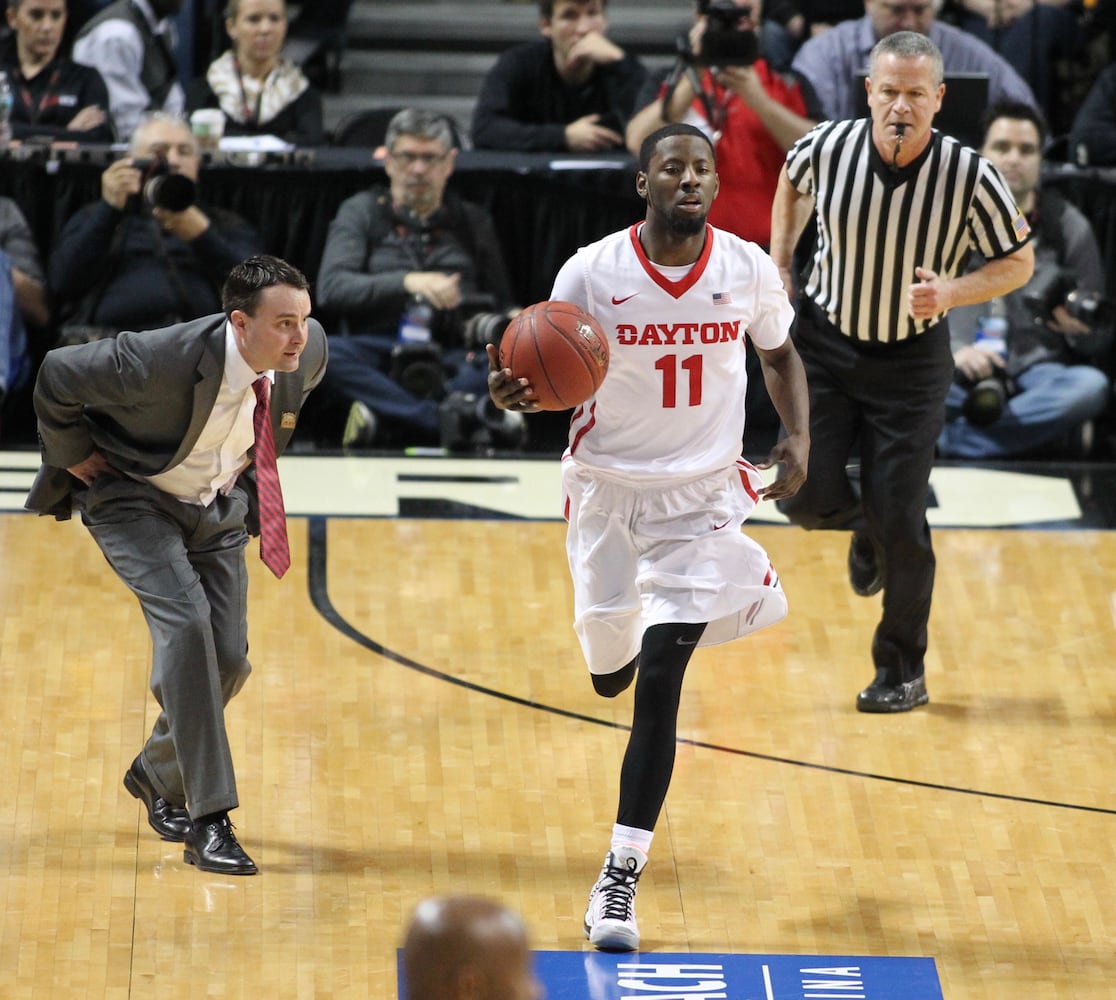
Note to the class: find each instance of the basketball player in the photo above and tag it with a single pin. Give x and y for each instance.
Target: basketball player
(656, 488)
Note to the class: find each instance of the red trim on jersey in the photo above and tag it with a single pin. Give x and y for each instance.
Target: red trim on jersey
(770, 577)
(585, 430)
(675, 289)
(743, 468)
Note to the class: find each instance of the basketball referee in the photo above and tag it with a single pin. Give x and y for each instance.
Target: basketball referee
(899, 208)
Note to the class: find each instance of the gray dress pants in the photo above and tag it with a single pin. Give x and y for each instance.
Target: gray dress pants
(185, 564)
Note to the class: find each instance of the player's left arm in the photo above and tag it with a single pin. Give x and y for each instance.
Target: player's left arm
(785, 378)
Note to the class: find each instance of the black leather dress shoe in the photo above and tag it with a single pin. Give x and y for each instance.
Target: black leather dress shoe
(213, 847)
(864, 566)
(169, 822)
(881, 697)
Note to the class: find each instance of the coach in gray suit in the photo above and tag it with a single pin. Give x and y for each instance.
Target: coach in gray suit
(149, 435)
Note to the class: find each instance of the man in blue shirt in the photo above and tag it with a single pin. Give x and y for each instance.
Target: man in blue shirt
(831, 61)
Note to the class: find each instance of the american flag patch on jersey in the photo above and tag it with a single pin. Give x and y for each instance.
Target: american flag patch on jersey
(721, 298)
(1019, 225)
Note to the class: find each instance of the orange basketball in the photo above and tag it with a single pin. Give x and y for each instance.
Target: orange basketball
(560, 349)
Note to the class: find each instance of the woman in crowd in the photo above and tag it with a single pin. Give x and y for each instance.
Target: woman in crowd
(53, 97)
(260, 91)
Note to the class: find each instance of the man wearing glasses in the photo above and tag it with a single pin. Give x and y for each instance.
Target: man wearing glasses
(417, 281)
(831, 61)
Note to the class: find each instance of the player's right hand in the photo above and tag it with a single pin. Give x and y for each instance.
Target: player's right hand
(507, 391)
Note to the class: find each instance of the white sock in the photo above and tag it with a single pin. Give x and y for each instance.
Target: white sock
(631, 836)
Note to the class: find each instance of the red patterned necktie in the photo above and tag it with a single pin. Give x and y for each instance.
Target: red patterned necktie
(274, 549)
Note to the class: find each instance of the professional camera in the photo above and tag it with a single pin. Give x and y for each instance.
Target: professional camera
(724, 42)
(417, 367)
(163, 189)
(471, 422)
(986, 398)
(1053, 286)
(484, 328)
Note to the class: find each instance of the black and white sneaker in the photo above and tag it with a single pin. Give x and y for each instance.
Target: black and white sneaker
(610, 921)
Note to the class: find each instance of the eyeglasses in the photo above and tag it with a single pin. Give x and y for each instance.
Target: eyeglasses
(899, 9)
(409, 159)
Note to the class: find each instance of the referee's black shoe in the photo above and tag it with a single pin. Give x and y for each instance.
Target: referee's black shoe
(864, 565)
(880, 697)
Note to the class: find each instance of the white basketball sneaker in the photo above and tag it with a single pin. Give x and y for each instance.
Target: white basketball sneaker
(610, 921)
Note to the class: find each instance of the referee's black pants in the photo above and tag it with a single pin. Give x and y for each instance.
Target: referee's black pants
(887, 403)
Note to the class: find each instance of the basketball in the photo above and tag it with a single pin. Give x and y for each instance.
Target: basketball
(560, 349)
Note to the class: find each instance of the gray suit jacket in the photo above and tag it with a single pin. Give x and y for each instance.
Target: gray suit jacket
(142, 399)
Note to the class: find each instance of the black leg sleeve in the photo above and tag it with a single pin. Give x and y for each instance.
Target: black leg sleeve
(649, 759)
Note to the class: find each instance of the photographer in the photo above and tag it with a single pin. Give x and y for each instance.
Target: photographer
(415, 278)
(722, 84)
(146, 254)
(1041, 393)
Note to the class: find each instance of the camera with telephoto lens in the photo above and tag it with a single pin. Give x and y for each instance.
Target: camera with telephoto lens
(986, 398)
(1052, 286)
(481, 323)
(724, 42)
(417, 367)
(162, 188)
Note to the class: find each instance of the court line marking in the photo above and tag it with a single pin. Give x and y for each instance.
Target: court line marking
(318, 586)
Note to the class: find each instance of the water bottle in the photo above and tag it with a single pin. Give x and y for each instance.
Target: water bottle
(414, 325)
(6, 98)
(992, 329)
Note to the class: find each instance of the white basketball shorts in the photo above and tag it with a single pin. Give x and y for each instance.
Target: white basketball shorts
(643, 555)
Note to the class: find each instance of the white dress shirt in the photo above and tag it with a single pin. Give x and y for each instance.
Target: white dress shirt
(222, 449)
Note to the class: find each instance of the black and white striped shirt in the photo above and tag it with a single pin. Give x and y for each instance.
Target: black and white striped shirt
(876, 224)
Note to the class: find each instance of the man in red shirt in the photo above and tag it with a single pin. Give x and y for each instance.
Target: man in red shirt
(753, 113)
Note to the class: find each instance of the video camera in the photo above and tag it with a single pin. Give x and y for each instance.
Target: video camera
(1052, 286)
(163, 189)
(724, 42)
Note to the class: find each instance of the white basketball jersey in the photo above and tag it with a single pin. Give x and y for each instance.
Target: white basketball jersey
(672, 403)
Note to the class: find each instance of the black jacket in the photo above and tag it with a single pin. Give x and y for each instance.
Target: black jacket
(145, 277)
(371, 247)
(525, 105)
(44, 105)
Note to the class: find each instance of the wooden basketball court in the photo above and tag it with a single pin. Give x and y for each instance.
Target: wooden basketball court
(420, 721)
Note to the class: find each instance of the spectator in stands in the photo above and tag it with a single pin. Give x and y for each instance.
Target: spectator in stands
(467, 948)
(1053, 389)
(52, 96)
(392, 254)
(1093, 136)
(147, 254)
(23, 303)
(788, 23)
(259, 90)
(575, 90)
(1033, 37)
(831, 60)
(130, 44)
(753, 113)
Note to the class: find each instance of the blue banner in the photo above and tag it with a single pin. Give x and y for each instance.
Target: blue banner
(688, 976)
